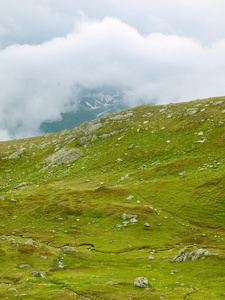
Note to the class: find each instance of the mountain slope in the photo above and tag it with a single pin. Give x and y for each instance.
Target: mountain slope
(86, 211)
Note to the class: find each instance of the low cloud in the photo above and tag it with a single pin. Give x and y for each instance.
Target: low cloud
(37, 82)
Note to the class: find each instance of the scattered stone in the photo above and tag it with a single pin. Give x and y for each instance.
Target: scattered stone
(43, 257)
(151, 257)
(23, 184)
(29, 242)
(182, 173)
(185, 254)
(13, 290)
(125, 223)
(24, 266)
(138, 201)
(119, 160)
(120, 138)
(169, 116)
(217, 103)
(110, 282)
(147, 225)
(130, 197)
(119, 226)
(131, 146)
(192, 111)
(141, 282)
(133, 221)
(125, 216)
(39, 274)
(200, 133)
(69, 249)
(201, 141)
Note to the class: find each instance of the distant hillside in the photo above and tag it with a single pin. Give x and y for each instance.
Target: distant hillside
(90, 104)
(133, 198)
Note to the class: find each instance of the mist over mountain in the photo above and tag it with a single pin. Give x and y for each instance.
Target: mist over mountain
(90, 104)
(51, 51)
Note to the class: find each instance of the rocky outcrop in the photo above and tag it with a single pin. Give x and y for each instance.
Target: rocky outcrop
(121, 116)
(186, 254)
(16, 154)
(94, 125)
(64, 156)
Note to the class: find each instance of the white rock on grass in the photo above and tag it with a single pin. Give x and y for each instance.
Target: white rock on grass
(200, 133)
(147, 225)
(141, 282)
(151, 257)
(133, 221)
(39, 274)
(192, 111)
(109, 283)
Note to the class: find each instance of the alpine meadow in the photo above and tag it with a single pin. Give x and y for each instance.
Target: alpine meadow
(128, 206)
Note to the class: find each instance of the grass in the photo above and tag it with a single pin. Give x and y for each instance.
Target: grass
(65, 220)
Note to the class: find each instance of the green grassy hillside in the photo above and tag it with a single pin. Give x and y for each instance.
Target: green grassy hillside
(85, 212)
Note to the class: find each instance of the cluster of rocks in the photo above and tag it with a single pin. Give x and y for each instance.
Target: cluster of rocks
(186, 254)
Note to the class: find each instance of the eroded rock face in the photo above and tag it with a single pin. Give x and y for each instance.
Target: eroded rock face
(185, 254)
(94, 125)
(141, 282)
(64, 156)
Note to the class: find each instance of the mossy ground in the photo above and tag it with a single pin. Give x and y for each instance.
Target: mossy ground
(65, 221)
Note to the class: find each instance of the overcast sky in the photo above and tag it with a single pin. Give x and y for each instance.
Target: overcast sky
(164, 50)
